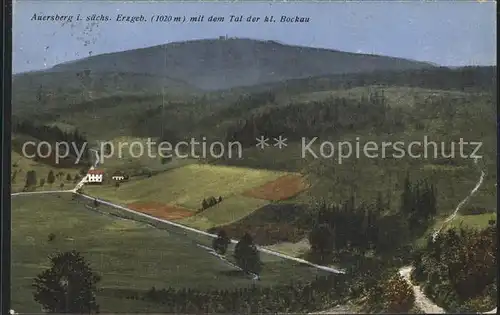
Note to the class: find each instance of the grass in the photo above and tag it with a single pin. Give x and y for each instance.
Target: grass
(21, 165)
(129, 255)
(473, 221)
(162, 211)
(298, 249)
(128, 159)
(271, 224)
(229, 210)
(187, 186)
(283, 188)
(478, 221)
(366, 178)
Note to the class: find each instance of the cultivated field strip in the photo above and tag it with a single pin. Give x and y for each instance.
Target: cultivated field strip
(263, 250)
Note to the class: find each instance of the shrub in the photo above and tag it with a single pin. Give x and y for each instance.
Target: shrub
(221, 243)
(68, 286)
(398, 296)
(51, 237)
(459, 267)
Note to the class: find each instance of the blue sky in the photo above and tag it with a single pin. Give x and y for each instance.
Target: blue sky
(449, 33)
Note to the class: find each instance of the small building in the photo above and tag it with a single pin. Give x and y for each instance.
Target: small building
(95, 176)
(119, 176)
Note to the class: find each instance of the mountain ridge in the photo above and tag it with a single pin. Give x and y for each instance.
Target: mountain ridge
(212, 64)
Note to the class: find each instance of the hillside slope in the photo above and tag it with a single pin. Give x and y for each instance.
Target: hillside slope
(37, 92)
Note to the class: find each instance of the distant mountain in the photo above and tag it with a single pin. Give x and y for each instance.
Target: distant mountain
(213, 64)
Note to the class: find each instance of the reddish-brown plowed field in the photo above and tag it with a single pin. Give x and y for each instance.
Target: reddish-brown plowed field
(160, 210)
(280, 189)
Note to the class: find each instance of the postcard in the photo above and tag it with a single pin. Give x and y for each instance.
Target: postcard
(254, 157)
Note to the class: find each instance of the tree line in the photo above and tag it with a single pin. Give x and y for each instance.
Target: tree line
(209, 202)
(31, 180)
(350, 226)
(440, 78)
(53, 134)
(247, 102)
(418, 202)
(331, 116)
(366, 226)
(294, 297)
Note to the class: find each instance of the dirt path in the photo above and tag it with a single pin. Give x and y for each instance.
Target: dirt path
(421, 300)
(461, 204)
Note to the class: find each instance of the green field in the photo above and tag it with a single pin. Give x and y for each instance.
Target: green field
(187, 186)
(297, 249)
(478, 221)
(367, 177)
(21, 165)
(228, 211)
(130, 256)
(128, 158)
(475, 221)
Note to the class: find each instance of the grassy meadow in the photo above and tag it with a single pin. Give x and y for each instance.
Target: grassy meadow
(130, 256)
(129, 159)
(228, 211)
(186, 186)
(21, 165)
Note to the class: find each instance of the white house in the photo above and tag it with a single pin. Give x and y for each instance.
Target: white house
(94, 176)
(118, 176)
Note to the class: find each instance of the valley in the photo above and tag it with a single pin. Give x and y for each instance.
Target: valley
(369, 217)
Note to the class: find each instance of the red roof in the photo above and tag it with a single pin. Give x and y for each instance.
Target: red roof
(95, 172)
